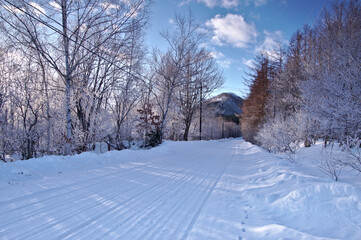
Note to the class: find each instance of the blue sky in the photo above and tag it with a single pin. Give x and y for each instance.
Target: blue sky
(237, 29)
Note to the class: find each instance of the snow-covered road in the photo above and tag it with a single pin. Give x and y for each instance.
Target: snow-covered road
(195, 190)
(157, 198)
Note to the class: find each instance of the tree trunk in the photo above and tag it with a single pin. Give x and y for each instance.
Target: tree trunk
(165, 113)
(48, 117)
(67, 78)
(200, 112)
(186, 131)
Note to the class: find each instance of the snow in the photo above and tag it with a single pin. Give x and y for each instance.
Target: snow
(224, 189)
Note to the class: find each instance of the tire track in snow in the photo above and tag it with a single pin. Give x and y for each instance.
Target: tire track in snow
(186, 205)
(59, 206)
(42, 230)
(196, 215)
(156, 204)
(76, 184)
(85, 226)
(64, 204)
(34, 212)
(163, 221)
(187, 187)
(151, 211)
(149, 222)
(93, 211)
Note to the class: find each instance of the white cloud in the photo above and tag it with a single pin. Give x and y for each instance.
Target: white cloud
(229, 3)
(109, 6)
(37, 8)
(232, 30)
(55, 5)
(258, 3)
(271, 41)
(184, 2)
(248, 62)
(13, 9)
(226, 3)
(213, 3)
(202, 30)
(224, 63)
(221, 59)
(217, 55)
(209, 3)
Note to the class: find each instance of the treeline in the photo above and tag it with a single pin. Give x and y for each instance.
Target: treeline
(76, 73)
(311, 89)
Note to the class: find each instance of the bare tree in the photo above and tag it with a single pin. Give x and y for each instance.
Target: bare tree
(319, 89)
(24, 104)
(127, 90)
(200, 78)
(332, 90)
(182, 72)
(66, 34)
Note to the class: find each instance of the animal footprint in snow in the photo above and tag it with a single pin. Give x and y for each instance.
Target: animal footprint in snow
(243, 229)
(240, 238)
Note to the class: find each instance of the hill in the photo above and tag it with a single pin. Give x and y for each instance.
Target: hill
(226, 105)
(221, 116)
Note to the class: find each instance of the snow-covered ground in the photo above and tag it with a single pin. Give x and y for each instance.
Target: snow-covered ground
(226, 189)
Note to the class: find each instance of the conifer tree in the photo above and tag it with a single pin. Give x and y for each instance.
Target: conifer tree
(254, 106)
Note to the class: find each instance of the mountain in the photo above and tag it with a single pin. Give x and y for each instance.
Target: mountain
(225, 105)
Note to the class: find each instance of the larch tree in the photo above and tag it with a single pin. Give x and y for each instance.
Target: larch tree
(254, 106)
(285, 121)
(333, 86)
(319, 89)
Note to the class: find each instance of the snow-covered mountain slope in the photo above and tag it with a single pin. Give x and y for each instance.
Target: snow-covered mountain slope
(225, 189)
(224, 104)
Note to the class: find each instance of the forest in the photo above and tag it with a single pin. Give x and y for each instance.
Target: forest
(311, 90)
(77, 73)
(104, 135)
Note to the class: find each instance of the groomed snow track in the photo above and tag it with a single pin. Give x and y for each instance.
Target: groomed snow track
(225, 189)
(157, 198)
